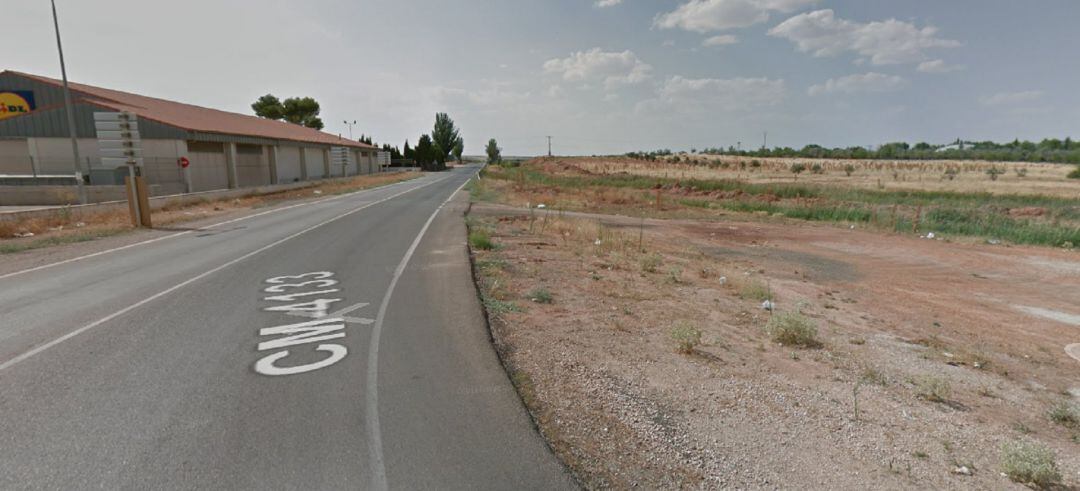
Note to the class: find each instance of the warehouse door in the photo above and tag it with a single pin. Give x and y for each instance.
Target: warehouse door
(207, 166)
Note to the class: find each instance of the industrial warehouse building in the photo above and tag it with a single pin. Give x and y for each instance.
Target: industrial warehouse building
(225, 150)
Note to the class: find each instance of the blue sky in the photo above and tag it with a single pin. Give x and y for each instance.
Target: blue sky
(600, 76)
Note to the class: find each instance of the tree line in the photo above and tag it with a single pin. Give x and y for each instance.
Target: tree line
(1047, 150)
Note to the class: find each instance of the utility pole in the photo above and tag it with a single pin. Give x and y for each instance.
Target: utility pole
(765, 141)
(70, 112)
(350, 128)
(549, 146)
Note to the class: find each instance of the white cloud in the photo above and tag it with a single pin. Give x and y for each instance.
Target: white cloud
(718, 15)
(726, 95)
(555, 91)
(607, 3)
(865, 82)
(612, 68)
(884, 43)
(938, 66)
(721, 40)
(1007, 99)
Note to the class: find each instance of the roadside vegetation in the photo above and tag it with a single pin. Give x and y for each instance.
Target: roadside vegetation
(1016, 218)
(66, 225)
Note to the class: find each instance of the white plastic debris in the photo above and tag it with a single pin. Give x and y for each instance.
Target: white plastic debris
(768, 305)
(318, 191)
(962, 470)
(541, 205)
(24, 234)
(723, 280)
(598, 242)
(80, 224)
(930, 235)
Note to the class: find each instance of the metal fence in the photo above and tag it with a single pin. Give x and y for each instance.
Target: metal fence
(156, 170)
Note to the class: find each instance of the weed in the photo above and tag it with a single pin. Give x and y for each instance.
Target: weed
(874, 376)
(1030, 463)
(849, 170)
(919, 454)
(480, 239)
(687, 336)
(793, 329)
(1075, 173)
(674, 276)
(755, 290)
(1065, 414)
(932, 388)
(855, 341)
(651, 262)
(1022, 428)
(541, 295)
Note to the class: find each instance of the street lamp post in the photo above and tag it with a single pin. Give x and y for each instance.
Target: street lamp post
(350, 128)
(70, 111)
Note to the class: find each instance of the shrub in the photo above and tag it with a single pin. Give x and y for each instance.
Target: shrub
(541, 295)
(479, 239)
(793, 329)
(650, 263)
(1021, 172)
(849, 170)
(932, 388)
(817, 169)
(755, 290)
(994, 172)
(798, 169)
(1075, 174)
(1032, 463)
(1065, 414)
(687, 336)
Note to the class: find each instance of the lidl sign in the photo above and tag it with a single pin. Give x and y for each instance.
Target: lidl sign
(15, 103)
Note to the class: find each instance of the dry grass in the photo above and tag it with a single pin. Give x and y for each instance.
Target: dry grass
(925, 175)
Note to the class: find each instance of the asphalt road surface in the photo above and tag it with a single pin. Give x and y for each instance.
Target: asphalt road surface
(334, 345)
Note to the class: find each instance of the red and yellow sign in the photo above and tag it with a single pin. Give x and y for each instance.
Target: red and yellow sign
(15, 103)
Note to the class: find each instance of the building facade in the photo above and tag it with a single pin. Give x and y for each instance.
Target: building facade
(224, 150)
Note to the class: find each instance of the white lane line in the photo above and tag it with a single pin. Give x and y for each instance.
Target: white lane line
(178, 234)
(24, 356)
(371, 406)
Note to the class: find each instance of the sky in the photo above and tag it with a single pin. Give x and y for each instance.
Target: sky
(599, 76)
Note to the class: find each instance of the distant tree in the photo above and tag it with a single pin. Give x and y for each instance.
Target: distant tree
(443, 137)
(407, 152)
(494, 153)
(798, 169)
(268, 107)
(425, 154)
(303, 111)
(459, 148)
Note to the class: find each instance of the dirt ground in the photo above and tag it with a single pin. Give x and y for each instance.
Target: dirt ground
(933, 353)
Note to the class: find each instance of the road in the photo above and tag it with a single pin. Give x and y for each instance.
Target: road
(334, 345)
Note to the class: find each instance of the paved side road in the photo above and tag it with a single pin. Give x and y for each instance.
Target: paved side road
(268, 354)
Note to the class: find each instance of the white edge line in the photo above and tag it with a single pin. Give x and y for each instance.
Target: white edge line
(178, 234)
(371, 404)
(24, 356)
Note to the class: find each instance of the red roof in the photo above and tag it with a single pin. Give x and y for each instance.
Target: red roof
(196, 118)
